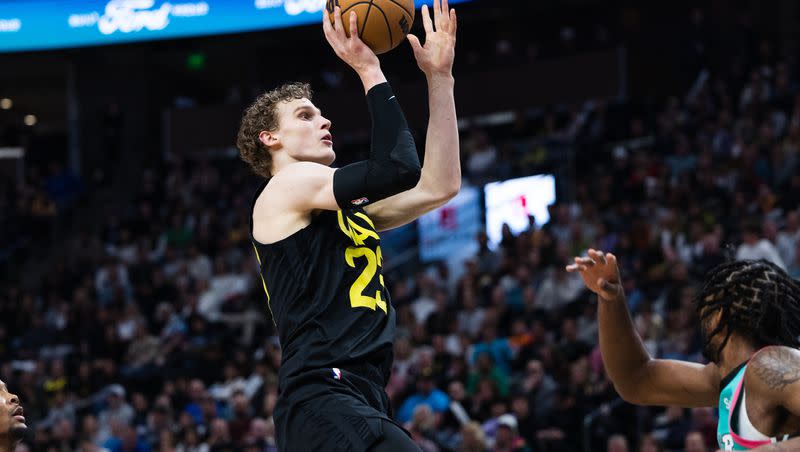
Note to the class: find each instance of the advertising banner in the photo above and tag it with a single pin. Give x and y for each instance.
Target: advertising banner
(50, 24)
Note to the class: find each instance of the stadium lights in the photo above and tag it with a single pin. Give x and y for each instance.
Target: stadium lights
(6, 103)
(30, 120)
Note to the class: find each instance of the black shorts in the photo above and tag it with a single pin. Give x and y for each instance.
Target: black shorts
(330, 410)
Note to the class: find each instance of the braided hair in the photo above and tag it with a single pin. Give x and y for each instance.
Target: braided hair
(757, 300)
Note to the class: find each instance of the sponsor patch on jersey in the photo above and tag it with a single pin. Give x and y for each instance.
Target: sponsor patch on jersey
(359, 201)
(337, 373)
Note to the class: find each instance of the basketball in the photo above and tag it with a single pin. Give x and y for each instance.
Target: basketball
(382, 24)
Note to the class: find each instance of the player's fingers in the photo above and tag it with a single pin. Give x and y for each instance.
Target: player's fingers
(453, 22)
(611, 259)
(426, 19)
(415, 44)
(437, 13)
(597, 256)
(327, 29)
(337, 22)
(572, 268)
(354, 26)
(326, 24)
(587, 261)
(444, 16)
(601, 256)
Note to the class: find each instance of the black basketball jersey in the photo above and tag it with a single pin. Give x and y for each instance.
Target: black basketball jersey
(326, 294)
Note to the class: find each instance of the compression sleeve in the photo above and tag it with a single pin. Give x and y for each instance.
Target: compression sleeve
(393, 165)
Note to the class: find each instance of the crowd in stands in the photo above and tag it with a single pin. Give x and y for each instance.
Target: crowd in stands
(155, 336)
(29, 208)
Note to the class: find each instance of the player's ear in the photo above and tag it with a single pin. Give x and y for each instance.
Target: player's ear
(268, 138)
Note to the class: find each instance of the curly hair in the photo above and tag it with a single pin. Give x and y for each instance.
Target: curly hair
(263, 115)
(757, 299)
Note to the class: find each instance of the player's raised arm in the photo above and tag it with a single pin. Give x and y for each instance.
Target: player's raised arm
(637, 377)
(393, 165)
(441, 170)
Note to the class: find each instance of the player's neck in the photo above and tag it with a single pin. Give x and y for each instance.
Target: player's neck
(736, 352)
(7, 443)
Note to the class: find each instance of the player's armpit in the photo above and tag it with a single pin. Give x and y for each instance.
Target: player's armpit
(773, 374)
(664, 382)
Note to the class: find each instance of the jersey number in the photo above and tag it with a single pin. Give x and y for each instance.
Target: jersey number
(357, 297)
(727, 442)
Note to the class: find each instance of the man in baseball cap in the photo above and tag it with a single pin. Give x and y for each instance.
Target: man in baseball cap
(507, 437)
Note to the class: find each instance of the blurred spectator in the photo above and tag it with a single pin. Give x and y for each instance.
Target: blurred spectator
(472, 438)
(507, 438)
(541, 390)
(695, 442)
(220, 439)
(671, 427)
(426, 394)
(794, 267)
(756, 247)
(117, 415)
(650, 444)
(617, 443)
(143, 354)
(485, 370)
(240, 421)
(789, 237)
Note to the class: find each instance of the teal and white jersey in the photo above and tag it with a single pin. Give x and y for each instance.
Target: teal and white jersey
(730, 405)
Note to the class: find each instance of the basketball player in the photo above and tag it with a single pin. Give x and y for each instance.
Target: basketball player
(12, 421)
(750, 318)
(315, 232)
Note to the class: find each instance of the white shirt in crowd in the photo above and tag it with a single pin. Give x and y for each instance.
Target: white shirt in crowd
(787, 244)
(762, 249)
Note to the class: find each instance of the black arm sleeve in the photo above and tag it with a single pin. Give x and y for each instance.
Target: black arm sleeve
(393, 165)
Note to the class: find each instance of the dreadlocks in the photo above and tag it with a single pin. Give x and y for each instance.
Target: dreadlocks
(757, 300)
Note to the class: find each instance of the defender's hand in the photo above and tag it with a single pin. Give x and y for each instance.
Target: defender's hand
(437, 55)
(351, 50)
(600, 273)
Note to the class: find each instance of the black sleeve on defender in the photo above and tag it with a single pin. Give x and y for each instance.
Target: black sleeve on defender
(393, 165)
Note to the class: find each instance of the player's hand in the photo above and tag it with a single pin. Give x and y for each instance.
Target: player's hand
(351, 50)
(600, 273)
(439, 51)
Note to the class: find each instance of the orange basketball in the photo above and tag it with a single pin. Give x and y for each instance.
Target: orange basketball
(382, 24)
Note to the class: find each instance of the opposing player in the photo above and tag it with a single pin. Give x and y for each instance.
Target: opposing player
(750, 317)
(315, 232)
(12, 420)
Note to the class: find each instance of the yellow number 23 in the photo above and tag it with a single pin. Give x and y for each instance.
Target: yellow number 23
(357, 297)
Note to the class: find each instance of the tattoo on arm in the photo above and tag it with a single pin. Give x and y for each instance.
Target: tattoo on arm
(778, 367)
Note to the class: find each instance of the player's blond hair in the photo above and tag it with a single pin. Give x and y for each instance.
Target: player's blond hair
(263, 115)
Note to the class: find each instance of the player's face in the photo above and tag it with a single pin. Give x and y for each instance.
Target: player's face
(707, 325)
(304, 133)
(11, 416)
